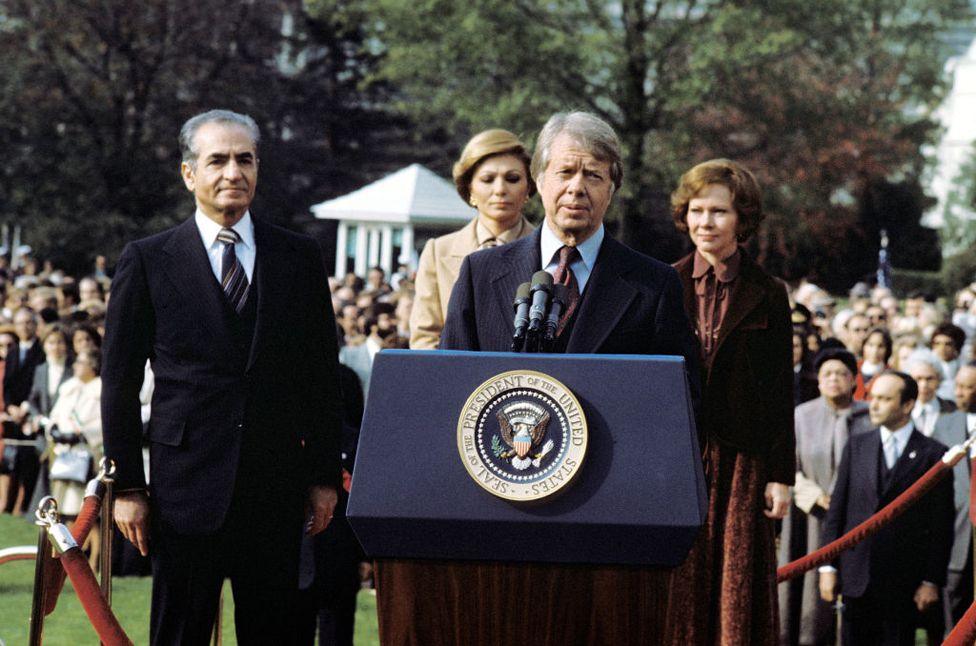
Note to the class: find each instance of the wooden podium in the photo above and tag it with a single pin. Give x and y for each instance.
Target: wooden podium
(589, 565)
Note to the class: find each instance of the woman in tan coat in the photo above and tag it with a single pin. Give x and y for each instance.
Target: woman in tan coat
(492, 175)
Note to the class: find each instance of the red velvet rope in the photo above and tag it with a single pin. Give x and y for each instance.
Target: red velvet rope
(882, 517)
(80, 529)
(964, 634)
(101, 616)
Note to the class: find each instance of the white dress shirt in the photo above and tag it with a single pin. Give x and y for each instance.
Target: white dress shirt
(900, 436)
(245, 249)
(925, 415)
(588, 251)
(54, 373)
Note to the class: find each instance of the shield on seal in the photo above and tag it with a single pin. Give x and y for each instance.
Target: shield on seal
(522, 441)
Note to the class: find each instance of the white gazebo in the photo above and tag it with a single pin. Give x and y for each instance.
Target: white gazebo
(387, 222)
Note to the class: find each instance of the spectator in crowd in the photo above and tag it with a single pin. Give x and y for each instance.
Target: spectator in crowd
(954, 428)
(376, 284)
(48, 377)
(856, 331)
(85, 337)
(947, 341)
(823, 427)
(380, 328)
(747, 412)
(890, 574)
(18, 377)
(875, 353)
(492, 176)
(904, 346)
(90, 289)
(926, 370)
(804, 376)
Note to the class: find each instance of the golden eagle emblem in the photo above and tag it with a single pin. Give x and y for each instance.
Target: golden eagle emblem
(523, 426)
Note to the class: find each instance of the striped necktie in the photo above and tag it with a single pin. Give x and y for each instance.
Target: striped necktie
(564, 275)
(233, 279)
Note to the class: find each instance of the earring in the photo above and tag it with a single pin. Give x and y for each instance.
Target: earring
(473, 202)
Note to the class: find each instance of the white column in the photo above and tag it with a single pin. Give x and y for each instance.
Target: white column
(342, 239)
(406, 247)
(386, 250)
(374, 247)
(360, 262)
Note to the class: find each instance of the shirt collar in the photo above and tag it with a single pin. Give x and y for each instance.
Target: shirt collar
(209, 229)
(589, 249)
(508, 235)
(726, 271)
(901, 434)
(930, 406)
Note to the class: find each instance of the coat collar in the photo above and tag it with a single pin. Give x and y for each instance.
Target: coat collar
(747, 293)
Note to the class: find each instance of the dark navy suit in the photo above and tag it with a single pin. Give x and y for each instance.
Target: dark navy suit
(879, 576)
(632, 304)
(245, 417)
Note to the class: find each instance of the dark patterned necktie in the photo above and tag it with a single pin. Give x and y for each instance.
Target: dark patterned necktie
(233, 279)
(564, 276)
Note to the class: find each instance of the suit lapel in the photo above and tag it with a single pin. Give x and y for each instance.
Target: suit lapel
(519, 260)
(869, 463)
(190, 273)
(907, 461)
(273, 276)
(605, 299)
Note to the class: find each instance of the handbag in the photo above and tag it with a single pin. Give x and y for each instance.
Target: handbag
(71, 463)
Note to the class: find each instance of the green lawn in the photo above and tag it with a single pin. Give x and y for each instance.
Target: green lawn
(68, 624)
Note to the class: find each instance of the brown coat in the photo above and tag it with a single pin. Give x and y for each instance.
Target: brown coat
(440, 262)
(747, 387)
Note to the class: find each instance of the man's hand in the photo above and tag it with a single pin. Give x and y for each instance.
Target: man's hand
(321, 505)
(828, 586)
(925, 596)
(132, 518)
(777, 500)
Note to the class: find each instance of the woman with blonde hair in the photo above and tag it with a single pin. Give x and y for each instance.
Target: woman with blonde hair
(492, 176)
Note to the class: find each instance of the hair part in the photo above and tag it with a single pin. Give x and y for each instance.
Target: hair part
(746, 194)
(485, 144)
(587, 130)
(189, 130)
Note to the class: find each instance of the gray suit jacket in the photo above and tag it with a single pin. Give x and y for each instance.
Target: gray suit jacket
(950, 429)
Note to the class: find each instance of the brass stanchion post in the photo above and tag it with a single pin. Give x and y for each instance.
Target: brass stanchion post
(218, 633)
(45, 508)
(106, 531)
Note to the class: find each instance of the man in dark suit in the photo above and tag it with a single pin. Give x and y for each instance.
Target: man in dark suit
(235, 316)
(622, 302)
(951, 429)
(886, 577)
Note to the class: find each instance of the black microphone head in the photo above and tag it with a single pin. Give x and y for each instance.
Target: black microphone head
(523, 294)
(541, 280)
(560, 293)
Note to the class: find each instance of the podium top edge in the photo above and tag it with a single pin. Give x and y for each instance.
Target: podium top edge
(523, 355)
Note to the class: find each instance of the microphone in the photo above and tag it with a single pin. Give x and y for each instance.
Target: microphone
(541, 287)
(559, 298)
(521, 305)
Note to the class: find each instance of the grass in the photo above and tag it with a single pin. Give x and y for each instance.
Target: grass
(68, 624)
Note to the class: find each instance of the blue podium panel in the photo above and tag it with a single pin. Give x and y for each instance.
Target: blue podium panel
(639, 497)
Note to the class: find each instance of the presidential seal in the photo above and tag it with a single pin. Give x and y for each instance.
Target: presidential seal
(522, 435)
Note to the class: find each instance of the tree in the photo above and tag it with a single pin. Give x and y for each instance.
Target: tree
(95, 91)
(821, 99)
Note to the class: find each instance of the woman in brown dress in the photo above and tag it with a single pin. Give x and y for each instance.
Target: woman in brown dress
(725, 592)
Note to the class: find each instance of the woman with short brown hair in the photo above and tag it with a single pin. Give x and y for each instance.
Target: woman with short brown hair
(492, 175)
(725, 592)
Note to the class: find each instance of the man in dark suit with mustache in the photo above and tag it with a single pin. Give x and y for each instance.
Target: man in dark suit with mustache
(235, 316)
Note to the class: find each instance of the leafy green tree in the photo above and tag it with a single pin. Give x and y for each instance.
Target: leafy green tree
(823, 100)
